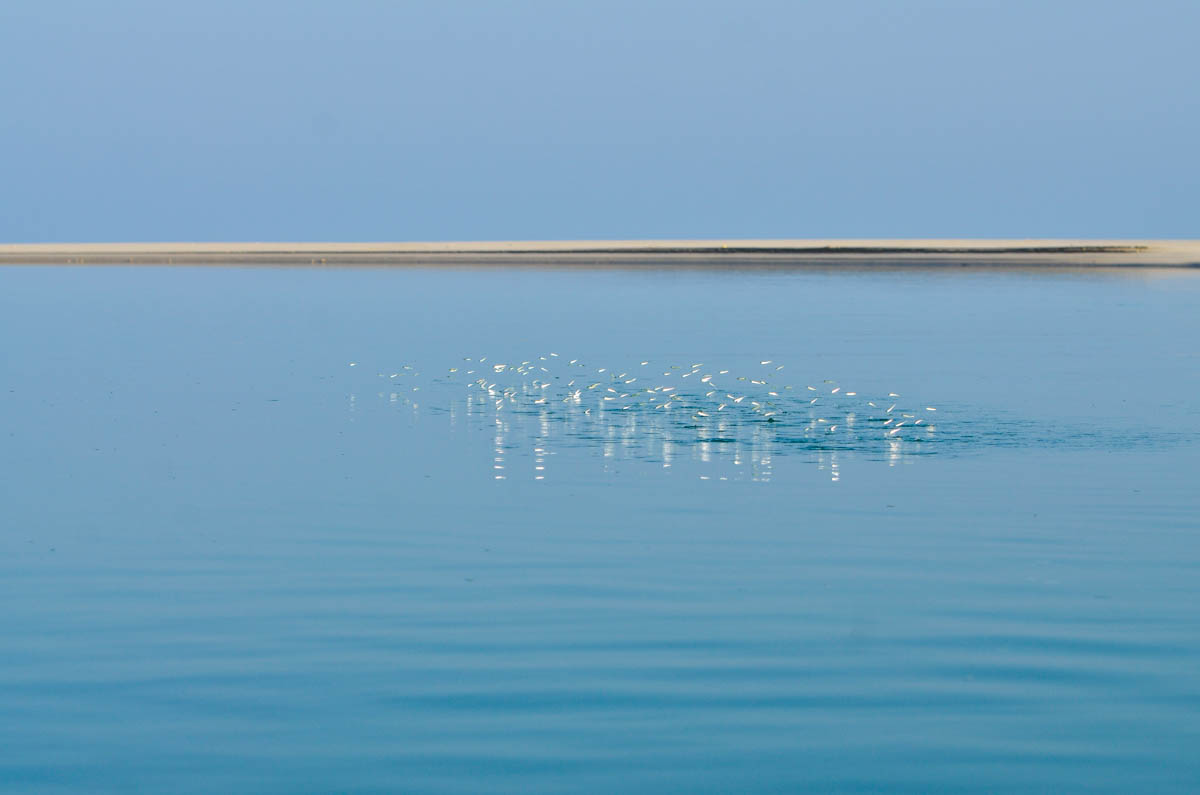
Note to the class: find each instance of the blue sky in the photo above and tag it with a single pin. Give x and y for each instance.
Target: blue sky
(448, 120)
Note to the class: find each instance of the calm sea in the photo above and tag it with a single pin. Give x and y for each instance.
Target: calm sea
(512, 530)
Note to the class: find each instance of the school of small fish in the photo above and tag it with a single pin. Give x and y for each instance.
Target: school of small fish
(690, 402)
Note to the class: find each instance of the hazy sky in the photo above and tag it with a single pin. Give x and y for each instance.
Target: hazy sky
(442, 120)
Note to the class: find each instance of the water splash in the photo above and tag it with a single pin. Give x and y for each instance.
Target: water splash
(719, 421)
(665, 412)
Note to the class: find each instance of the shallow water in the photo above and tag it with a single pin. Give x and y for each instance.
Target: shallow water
(232, 561)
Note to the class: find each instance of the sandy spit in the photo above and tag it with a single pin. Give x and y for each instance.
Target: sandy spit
(1019, 253)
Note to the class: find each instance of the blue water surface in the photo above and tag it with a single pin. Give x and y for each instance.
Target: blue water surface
(256, 536)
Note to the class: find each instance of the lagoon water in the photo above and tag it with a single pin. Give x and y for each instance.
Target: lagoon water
(256, 536)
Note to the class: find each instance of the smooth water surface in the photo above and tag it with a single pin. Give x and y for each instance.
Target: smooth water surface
(255, 535)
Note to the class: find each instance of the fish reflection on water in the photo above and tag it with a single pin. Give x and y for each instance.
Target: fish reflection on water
(665, 413)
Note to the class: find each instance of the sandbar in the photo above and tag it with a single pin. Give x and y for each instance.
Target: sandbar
(794, 252)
